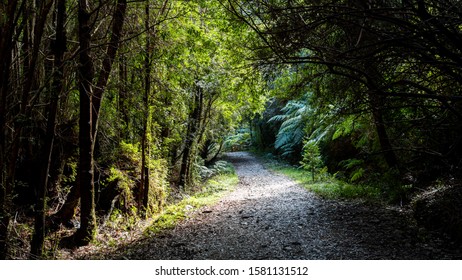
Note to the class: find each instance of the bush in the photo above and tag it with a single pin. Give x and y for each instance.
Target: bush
(238, 142)
(311, 159)
(120, 187)
(220, 167)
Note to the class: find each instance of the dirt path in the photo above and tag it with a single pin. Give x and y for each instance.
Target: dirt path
(269, 217)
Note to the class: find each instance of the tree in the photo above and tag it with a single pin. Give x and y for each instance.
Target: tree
(58, 47)
(192, 136)
(211, 85)
(9, 23)
(399, 62)
(144, 182)
(32, 29)
(74, 127)
(90, 103)
(87, 230)
(147, 115)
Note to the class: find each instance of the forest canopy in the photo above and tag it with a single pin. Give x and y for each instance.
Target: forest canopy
(382, 75)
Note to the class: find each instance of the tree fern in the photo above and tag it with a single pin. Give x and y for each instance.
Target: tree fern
(292, 129)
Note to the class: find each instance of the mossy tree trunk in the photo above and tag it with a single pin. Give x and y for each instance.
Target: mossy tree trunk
(191, 138)
(144, 189)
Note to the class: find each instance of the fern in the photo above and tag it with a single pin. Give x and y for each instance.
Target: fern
(292, 129)
(344, 128)
(357, 174)
(355, 165)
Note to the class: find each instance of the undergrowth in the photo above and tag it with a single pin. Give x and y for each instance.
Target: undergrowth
(120, 228)
(211, 192)
(324, 184)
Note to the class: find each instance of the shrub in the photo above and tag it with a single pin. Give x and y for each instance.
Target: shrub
(238, 142)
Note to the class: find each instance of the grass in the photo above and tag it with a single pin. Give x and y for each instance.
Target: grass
(214, 189)
(122, 231)
(325, 185)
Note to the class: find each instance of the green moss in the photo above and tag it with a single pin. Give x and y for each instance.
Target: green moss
(130, 151)
(158, 186)
(124, 183)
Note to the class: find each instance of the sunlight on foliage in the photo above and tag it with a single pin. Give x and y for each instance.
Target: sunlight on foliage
(326, 186)
(240, 141)
(293, 123)
(311, 161)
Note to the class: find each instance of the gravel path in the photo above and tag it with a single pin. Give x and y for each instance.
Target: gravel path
(269, 217)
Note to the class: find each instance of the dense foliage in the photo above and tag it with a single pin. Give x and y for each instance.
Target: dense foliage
(118, 107)
(112, 107)
(375, 85)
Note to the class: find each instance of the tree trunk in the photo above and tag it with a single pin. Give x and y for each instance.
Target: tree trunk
(32, 47)
(111, 51)
(90, 102)
(6, 48)
(144, 138)
(87, 230)
(58, 49)
(385, 145)
(217, 153)
(374, 80)
(191, 138)
(122, 99)
(142, 175)
(203, 121)
(67, 211)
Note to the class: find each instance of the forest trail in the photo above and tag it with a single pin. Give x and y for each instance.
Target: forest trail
(269, 217)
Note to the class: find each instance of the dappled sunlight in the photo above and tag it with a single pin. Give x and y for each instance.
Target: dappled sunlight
(269, 217)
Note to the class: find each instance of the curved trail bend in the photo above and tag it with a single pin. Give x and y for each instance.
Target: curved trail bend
(269, 217)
